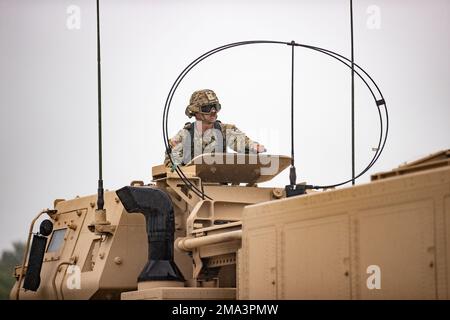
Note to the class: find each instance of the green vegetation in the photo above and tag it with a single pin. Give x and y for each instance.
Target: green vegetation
(8, 261)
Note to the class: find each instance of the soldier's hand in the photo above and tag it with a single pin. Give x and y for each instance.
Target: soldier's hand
(260, 148)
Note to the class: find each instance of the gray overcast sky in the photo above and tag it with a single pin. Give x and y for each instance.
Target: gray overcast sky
(48, 88)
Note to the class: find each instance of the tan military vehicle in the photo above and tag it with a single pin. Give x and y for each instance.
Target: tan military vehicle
(387, 239)
(206, 230)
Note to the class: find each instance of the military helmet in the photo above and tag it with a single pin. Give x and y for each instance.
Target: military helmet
(199, 99)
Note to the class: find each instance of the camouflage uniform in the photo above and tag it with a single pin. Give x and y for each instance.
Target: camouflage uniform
(213, 140)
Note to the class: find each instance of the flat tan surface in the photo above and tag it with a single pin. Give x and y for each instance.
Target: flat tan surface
(326, 245)
(238, 168)
(169, 293)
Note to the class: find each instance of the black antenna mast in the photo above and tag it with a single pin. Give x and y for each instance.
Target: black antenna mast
(100, 191)
(353, 93)
(100, 225)
(292, 173)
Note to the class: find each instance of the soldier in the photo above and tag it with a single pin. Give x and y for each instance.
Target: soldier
(207, 134)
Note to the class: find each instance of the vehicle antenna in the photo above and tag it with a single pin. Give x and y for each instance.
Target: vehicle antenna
(100, 191)
(353, 93)
(100, 225)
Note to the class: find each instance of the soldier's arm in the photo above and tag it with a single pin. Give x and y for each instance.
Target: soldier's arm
(239, 141)
(176, 144)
